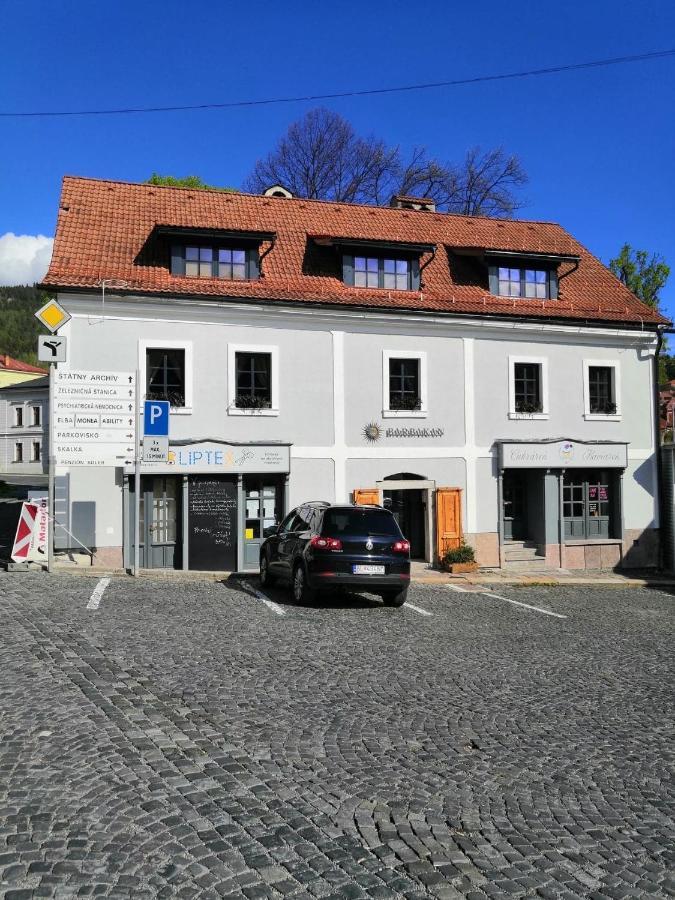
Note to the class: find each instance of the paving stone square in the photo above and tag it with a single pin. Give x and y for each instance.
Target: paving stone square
(187, 739)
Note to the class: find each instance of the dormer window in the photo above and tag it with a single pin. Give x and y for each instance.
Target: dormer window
(527, 279)
(231, 263)
(389, 273)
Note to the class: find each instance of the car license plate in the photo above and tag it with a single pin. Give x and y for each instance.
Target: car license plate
(368, 570)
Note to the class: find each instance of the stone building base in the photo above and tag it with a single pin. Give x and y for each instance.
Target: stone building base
(108, 557)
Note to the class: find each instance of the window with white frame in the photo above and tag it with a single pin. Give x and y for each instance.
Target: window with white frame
(528, 387)
(253, 380)
(18, 416)
(36, 412)
(36, 453)
(601, 389)
(18, 452)
(166, 372)
(404, 384)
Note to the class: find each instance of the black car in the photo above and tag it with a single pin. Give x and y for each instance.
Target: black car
(320, 546)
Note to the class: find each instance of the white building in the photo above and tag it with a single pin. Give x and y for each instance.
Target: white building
(24, 445)
(312, 350)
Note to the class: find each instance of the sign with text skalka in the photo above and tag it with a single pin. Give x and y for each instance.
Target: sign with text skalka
(93, 418)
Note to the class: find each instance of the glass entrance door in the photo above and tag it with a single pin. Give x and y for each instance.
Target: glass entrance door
(160, 522)
(515, 508)
(263, 508)
(586, 505)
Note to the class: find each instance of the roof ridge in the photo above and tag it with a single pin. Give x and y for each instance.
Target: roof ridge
(240, 193)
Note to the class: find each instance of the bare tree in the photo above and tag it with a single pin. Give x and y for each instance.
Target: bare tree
(321, 157)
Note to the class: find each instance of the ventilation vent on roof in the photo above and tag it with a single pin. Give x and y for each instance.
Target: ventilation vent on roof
(425, 204)
(278, 190)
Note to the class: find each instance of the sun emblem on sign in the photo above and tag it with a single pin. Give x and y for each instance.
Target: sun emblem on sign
(372, 432)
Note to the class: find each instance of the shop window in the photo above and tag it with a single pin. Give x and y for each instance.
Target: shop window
(18, 416)
(404, 383)
(165, 374)
(601, 389)
(528, 388)
(253, 380)
(588, 501)
(36, 414)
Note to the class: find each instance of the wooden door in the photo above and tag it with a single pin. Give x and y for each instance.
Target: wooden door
(366, 497)
(448, 519)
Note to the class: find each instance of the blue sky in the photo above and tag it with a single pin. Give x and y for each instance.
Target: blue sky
(598, 145)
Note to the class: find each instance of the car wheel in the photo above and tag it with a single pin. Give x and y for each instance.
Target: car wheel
(395, 598)
(302, 592)
(266, 579)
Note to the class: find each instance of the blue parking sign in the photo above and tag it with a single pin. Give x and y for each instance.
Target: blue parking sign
(156, 417)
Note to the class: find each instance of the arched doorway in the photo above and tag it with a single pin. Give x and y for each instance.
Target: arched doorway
(408, 504)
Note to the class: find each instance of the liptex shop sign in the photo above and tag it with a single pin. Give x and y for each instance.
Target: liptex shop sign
(216, 458)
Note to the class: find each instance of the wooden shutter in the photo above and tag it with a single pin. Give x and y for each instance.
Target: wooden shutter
(493, 280)
(366, 496)
(347, 268)
(177, 260)
(448, 519)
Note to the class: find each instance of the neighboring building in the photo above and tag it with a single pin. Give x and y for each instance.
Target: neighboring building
(13, 371)
(317, 350)
(667, 411)
(24, 430)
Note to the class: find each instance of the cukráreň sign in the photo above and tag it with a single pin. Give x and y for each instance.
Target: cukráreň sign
(221, 458)
(562, 454)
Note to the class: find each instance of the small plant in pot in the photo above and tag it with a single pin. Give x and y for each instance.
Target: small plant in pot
(460, 559)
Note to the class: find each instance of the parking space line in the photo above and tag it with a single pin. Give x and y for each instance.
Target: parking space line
(270, 604)
(460, 590)
(422, 612)
(546, 612)
(97, 593)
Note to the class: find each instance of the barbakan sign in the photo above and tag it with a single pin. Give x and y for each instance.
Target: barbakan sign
(565, 454)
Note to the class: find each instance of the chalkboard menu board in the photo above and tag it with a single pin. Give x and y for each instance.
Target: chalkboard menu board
(212, 523)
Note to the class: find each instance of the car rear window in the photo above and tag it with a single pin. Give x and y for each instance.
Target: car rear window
(338, 522)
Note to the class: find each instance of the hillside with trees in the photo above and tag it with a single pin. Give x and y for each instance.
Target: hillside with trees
(19, 328)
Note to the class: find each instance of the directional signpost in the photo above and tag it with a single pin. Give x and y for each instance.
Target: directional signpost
(93, 418)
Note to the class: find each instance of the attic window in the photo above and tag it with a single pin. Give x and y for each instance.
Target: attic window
(529, 280)
(388, 273)
(231, 263)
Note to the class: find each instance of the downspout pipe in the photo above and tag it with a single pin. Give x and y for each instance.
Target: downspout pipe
(660, 332)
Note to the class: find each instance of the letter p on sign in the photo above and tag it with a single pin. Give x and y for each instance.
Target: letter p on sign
(156, 418)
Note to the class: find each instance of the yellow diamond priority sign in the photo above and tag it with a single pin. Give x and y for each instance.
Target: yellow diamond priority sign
(52, 315)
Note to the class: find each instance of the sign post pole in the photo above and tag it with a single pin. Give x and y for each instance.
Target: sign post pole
(137, 478)
(51, 527)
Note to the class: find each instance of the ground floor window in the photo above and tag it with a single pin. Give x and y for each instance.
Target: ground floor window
(588, 501)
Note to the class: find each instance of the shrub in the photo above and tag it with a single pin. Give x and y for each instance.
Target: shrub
(462, 554)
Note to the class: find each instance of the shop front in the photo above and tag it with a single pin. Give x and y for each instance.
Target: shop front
(559, 497)
(208, 507)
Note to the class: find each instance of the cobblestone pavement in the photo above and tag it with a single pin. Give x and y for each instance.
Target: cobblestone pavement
(190, 740)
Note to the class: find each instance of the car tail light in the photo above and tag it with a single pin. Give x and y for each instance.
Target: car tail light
(401, 547)
(325, 543)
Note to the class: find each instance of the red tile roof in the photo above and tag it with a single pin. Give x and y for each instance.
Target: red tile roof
(9, 364)
(104, 231)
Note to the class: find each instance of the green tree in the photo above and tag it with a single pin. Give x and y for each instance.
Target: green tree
(642, 274)
(19, 328)
(190, 181)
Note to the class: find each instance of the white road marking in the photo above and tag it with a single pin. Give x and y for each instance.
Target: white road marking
(417, 609)
(97, 593)
(547, 612)
(460, 590)
(265, 599)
